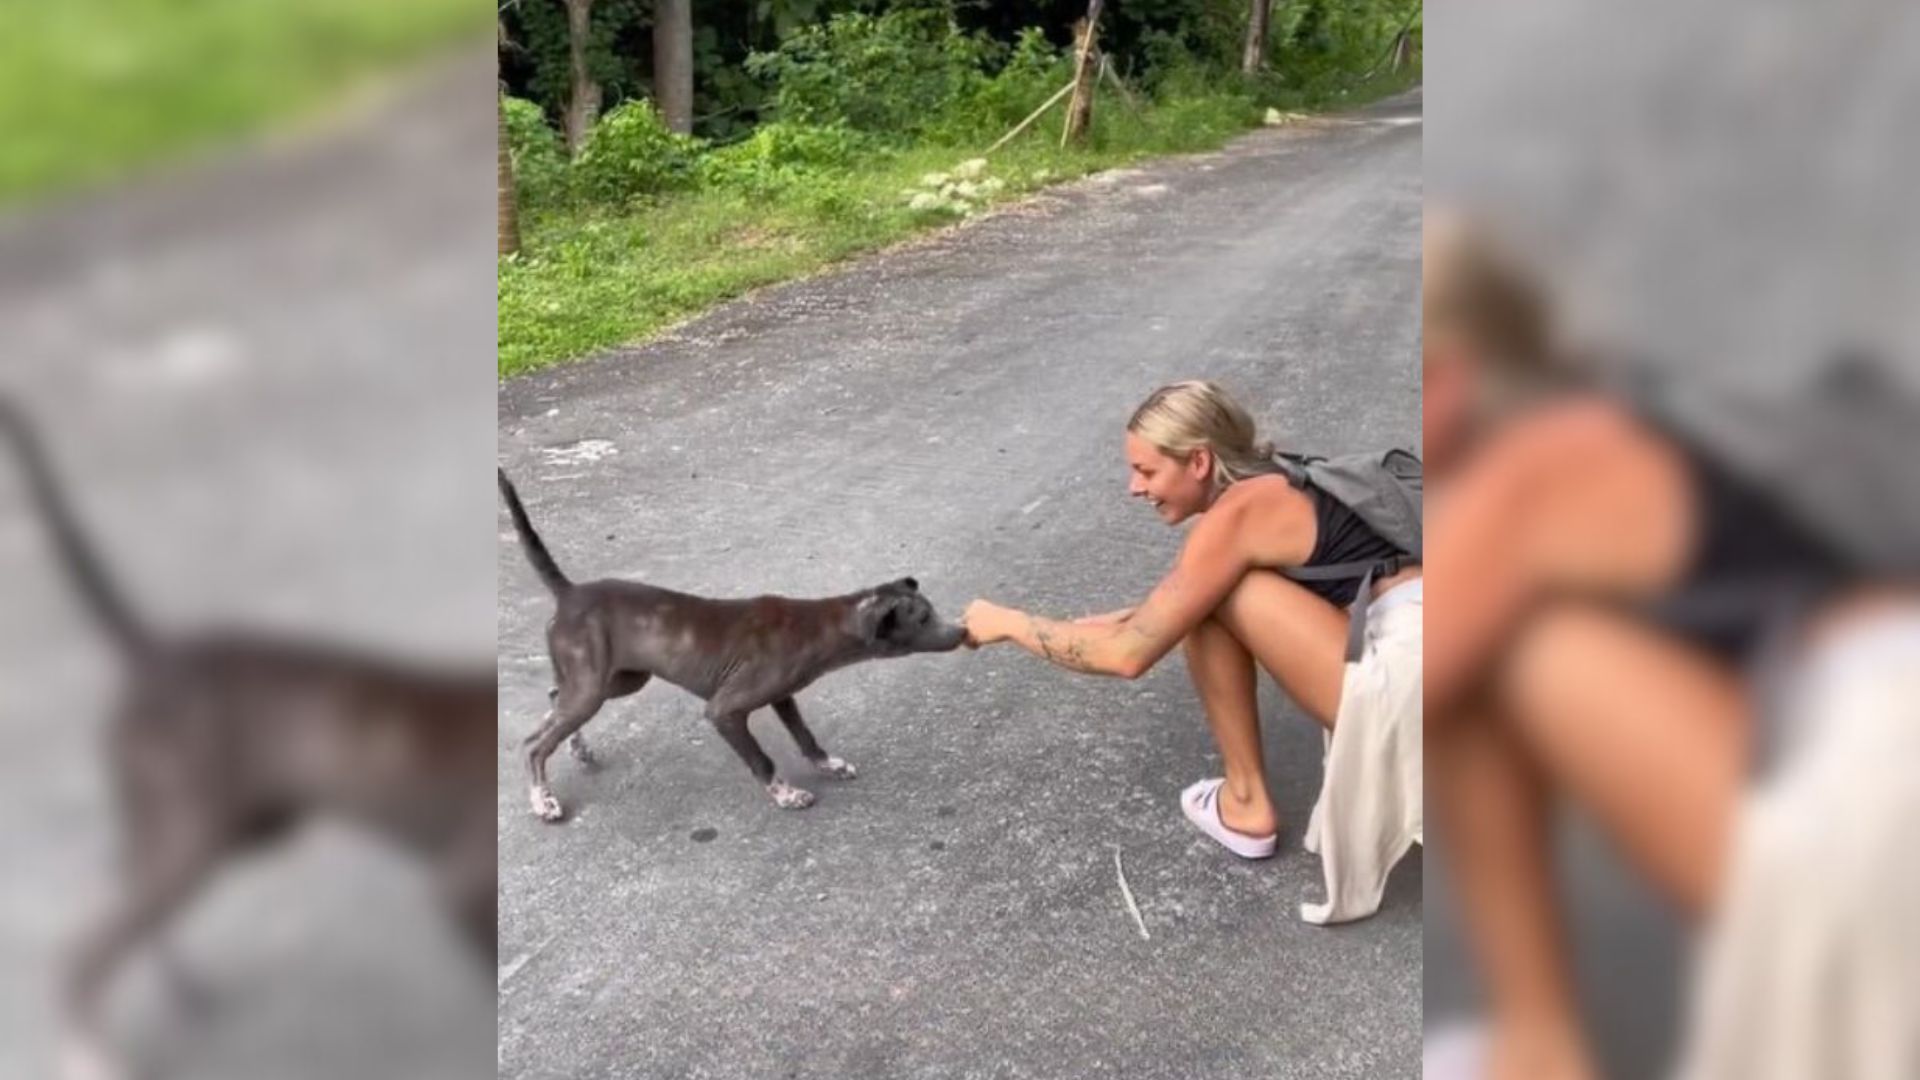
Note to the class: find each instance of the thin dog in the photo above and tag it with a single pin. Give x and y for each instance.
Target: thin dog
(224, 740)
(608, 638)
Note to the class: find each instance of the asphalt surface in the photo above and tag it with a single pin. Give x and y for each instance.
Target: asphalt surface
(267, 379)
(952, 409)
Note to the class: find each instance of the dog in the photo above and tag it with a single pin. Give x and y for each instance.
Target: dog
(609, 638)
(225, 740)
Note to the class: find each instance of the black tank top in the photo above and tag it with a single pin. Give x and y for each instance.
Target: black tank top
(1752, 559)
(1341, 536)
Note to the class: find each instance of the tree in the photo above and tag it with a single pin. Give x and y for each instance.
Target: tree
(1259, 14)
(673, 63)
(583, 95)
(507, 210)
(508, 217)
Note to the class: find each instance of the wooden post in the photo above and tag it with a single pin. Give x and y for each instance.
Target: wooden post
(1035, 115)
(1080, 110)
(1126, 95)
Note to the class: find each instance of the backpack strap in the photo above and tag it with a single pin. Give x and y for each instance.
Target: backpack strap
(1364, 569)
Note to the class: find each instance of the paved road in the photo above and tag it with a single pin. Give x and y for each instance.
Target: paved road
(952, 410)
(268, 380)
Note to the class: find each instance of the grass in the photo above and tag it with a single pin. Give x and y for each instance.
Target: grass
(91, 91)
(594, 277)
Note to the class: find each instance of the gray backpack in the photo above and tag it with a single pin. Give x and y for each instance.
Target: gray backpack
(1383, 489)
(1839, 455)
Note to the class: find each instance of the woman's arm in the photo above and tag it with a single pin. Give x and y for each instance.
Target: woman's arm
(1579, 501)
(1108, 619)
(1218, 552)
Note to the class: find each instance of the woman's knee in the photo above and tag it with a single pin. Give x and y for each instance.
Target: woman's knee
(1254, 595)
(1567, 646)
(1209, 634)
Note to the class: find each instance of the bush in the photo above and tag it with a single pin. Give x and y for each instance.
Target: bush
(889, 73)
(630, 152)
(539, 164)
(1033, 72)
(782, 153)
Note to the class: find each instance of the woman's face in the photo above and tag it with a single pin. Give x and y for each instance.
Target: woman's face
(1177, 489)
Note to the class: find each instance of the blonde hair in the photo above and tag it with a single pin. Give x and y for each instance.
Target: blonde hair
(1480, 288)
(1182, 417)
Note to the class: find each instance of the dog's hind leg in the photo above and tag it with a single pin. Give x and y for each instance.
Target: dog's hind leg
(789, 712)
(627, 682)
(575, 705)
(165, 875)
(468, 879)
(732, 726)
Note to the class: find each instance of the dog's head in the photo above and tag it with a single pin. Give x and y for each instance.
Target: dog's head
(896, 620)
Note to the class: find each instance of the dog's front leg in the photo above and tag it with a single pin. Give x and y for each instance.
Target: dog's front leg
(789, 712)
(732, 725)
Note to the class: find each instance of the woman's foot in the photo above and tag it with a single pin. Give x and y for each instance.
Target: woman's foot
(1538, 1052)
(1249, 832)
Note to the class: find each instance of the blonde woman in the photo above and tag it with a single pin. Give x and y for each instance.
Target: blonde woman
(1193, 456)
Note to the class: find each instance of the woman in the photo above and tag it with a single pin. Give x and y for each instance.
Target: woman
(1193, 455)
(1585, 558)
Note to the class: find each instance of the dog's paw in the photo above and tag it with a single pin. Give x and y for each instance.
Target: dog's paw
(838, 768)
(788, 797)
(582, 753)
(545, 806)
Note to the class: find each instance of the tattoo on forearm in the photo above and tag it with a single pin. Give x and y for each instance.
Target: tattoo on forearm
(1072, 654)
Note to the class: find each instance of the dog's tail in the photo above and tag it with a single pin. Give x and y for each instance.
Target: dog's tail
(89, 576)
(537, 552)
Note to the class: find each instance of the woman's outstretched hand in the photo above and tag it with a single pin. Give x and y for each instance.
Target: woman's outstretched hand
(986, 623)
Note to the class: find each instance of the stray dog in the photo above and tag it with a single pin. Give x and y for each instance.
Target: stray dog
(608, 638)
(224, 740)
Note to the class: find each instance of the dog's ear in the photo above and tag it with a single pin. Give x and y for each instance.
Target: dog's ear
(912, 585)
(877, 616)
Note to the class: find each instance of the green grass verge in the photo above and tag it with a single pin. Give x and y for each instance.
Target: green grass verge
(92, 90)
(591, 278)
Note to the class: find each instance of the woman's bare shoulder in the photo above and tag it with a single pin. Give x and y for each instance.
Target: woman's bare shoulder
(1270, 517)
(1566, 445)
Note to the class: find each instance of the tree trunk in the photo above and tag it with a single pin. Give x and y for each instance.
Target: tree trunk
(1259, 14)
(1080, 109)
(509, 212)
(673, 63)
(583, 100)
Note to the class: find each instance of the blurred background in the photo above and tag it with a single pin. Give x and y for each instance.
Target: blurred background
(247, 294)
(1721, 191)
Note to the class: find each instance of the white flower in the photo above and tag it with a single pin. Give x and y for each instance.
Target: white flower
(971, 169)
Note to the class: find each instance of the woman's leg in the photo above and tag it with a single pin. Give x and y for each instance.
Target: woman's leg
(1301, 640)
(1646, 734)
(1222, 672)
(1494, 809)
